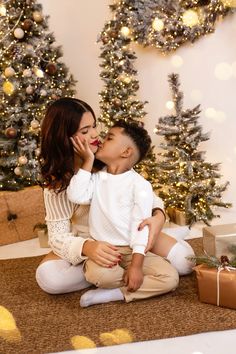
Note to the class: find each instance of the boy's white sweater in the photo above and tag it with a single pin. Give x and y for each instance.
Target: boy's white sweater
(119, 203)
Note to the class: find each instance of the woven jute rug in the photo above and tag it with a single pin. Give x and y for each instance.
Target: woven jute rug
(40, 323)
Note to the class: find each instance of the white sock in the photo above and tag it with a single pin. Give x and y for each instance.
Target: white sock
(179, 233)
(100, 296)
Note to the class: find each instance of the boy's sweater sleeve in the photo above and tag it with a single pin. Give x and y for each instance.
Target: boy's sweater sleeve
(143, 203)
(80, 189)
(158, 203)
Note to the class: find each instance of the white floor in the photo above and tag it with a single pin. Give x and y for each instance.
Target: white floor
(204, 343)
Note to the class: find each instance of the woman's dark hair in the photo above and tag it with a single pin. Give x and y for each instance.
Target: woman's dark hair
(138, 134)
(61, 121)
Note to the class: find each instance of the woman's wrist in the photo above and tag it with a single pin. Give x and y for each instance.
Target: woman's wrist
(159, 213)
(87, 248)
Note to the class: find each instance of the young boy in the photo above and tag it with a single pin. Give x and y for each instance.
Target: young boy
(120, 199)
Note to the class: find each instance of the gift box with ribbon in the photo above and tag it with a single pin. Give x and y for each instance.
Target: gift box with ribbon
(218, 238)
(217, 286)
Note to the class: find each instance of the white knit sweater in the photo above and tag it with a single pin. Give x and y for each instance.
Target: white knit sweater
(67, 224)
(119, 203)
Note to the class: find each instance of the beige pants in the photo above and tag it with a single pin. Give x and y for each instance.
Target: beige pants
(160, 276)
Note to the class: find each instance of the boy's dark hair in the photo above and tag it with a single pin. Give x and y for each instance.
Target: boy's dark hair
(138, 134)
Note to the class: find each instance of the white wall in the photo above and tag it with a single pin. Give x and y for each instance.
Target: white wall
(76, 24)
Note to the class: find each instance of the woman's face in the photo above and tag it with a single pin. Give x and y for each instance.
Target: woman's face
(88, 131)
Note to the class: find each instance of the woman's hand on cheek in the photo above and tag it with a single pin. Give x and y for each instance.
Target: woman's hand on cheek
(81, 147)
(102, 253)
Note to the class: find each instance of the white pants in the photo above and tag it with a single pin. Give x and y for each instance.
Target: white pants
(59, 276)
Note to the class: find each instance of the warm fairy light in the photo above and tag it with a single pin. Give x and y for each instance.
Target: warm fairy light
(210, 112)
(190, 18)
(157, 24)
(170, 104)
(223, 71)
(220, 116)
(177, 61)
(196, 95)
(234, 68)
(125, 31)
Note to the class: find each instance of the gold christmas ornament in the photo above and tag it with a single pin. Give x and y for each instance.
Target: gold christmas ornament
(27, 24)
(157, 24)
(190, 18)
(11, 133)
(34, 124)
(125, 31)
(43, 93)
(37, 16)
(8, 88)
(27, 73)
(29, 49)
(22, 160)
(125, 78)
(9, 71)
(29, 90)
(51, 68)
(17, 171)
(38, 72)
(3, 10)
(19, 33)
(37, 152)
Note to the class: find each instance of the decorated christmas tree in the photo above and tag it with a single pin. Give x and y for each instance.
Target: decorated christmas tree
(32, 76)
(119, 97)
(164, 24)
(186, 181)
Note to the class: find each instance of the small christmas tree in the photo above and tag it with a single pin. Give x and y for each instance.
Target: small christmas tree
(31, 77)
(186, 181)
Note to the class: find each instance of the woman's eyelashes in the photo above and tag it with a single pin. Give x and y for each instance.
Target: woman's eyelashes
(84, 132)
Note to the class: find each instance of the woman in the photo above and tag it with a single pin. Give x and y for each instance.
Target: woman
(61, 270)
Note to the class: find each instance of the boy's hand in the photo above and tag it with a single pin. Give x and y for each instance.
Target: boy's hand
(81, 147)
(133, 278)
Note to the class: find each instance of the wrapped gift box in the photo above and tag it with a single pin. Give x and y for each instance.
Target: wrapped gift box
(217, 239)
(177, 216)
(19, 212)
(216, 287)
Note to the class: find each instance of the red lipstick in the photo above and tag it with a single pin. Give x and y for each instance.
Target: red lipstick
(95, 143)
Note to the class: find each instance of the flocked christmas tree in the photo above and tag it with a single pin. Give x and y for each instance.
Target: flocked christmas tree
(164, 24)
(186, 181)
(119, 97)
(32, 76)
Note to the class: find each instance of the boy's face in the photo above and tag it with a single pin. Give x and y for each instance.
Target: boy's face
(114, 145)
